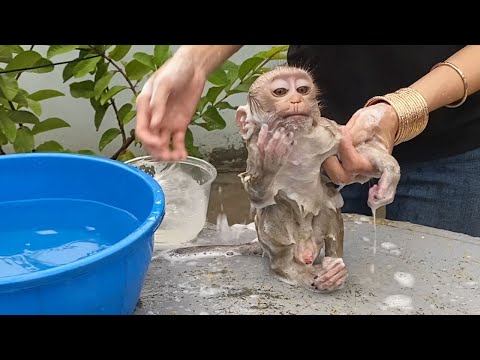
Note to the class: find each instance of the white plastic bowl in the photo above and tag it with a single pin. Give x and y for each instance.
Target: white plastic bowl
(186, 211)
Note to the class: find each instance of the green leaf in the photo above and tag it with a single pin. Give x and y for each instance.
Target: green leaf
(8, 127)
(23, 117)
(225, 105)
(218, 77)
(111, 93)
(213, 93)
(47, 66)
(135, 70)
(99, 112)
(87, 152)
(145, 59)
(17, 49)
(55, 50)
(101, 70)
(23, 60)
(201, 104)
(68, 71)
(161, 53)
(35, 106)
(3, 138)
(229, 65)
(126, 155)
(24, 142)
(124, 110)
(3, 101)
(247, 66)
(20, 99)
(83, 67)
(9, 87)
(119, 52)
(50, 146)
(99, 115)
(5, 54)
(213, 119)
(102, 84)
(107, 137)
(45, 94)
(128, 117)
(49, 124)
(232, 76)
(191, 148)
(82, 89)
(243, 87)
(271, 53)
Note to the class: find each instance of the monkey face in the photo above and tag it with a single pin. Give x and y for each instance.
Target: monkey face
(286, 96)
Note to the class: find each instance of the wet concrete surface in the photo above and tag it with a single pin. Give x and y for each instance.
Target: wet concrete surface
(415, 270)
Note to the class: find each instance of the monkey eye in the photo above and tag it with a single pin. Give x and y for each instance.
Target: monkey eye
(280, 91)
(303, 90)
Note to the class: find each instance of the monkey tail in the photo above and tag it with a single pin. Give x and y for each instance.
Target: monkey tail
(210, 251)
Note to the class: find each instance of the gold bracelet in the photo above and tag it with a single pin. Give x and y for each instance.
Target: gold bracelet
(412, 112)
(465, 84)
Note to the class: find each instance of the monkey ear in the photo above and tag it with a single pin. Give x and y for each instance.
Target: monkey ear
(244, 121)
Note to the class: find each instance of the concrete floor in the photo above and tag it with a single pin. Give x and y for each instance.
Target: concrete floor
(416, 270)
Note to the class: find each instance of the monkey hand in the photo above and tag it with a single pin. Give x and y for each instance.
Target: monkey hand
(166, 105)
(332, 276)
(274, 149)
(376, 124)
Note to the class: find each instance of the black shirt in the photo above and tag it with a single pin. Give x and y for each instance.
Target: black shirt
(349, 75)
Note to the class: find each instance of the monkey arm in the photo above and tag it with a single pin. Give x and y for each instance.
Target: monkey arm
(259, 188)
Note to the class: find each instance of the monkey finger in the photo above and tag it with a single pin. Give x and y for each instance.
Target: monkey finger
(338, 284)
(330, 282)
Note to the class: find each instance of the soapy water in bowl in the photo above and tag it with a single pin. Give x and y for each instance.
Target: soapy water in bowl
(41, 234)
(185, 207)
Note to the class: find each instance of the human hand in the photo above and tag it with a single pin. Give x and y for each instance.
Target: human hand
(377, 123)
(166, 105)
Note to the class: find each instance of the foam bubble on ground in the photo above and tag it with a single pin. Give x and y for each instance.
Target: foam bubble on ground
(398, 302)
(388, 246)
(404, 279)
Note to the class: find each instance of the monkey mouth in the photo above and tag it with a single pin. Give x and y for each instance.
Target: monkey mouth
(295, 114)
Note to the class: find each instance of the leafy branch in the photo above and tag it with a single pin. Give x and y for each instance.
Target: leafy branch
(94, 72)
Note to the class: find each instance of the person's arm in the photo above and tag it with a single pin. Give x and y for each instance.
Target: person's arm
(443, 85)
(170, 96)
(207, 57)
(408, 111)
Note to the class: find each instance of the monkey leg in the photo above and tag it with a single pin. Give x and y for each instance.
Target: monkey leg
(329, 226)
(277, 230)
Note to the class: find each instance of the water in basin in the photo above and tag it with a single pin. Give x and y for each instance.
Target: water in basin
(41, 234)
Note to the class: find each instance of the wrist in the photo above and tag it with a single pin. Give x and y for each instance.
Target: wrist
(207, 58)
(411, 111)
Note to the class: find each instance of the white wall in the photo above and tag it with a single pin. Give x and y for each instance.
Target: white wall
(80, 115)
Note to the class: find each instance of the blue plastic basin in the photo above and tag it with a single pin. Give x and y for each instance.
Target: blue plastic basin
(76, 234)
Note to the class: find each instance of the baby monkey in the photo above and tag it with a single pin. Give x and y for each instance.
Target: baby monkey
(298, 209)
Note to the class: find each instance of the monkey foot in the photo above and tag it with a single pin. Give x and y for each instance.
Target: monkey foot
(331, 275)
